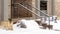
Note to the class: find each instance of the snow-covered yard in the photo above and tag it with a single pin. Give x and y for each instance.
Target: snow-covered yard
(32, 28)
(26, 31)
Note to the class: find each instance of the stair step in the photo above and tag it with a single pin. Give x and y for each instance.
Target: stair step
(38, 21)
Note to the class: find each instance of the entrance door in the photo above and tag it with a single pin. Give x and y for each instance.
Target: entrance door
(19, 11)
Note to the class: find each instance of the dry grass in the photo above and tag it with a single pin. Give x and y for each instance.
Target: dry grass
(7, 25)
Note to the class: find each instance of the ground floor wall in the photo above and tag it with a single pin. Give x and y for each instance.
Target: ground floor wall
(57, 8)
(5, 8)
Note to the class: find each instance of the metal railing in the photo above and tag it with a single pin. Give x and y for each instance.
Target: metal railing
(24, 5)
(21, 4)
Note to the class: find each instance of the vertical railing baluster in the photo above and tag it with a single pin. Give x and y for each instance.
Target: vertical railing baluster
(49, 23)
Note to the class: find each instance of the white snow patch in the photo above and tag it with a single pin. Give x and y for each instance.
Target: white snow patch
(32, 28)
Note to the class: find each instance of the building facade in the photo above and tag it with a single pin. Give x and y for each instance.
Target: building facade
(52, 7)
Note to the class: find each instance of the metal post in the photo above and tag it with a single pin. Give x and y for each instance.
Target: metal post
(49, 23)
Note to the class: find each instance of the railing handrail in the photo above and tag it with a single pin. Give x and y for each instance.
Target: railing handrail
(34, 8)
(28, 9)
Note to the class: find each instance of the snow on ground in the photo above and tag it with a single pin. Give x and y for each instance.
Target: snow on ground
(32, 28)
(55, 25)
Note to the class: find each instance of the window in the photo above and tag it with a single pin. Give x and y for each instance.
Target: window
(43, 5)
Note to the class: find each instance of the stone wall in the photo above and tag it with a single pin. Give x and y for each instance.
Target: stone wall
(57, 8)
(49, 7)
